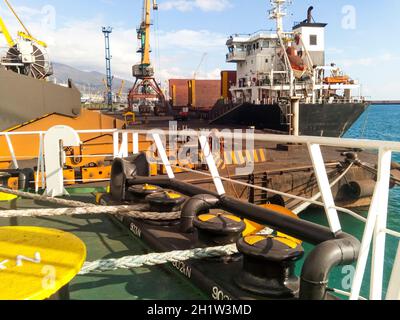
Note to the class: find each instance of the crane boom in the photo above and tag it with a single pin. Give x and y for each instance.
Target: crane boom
(144, 31)
(17, 17)
(198, 67)
(6, 33)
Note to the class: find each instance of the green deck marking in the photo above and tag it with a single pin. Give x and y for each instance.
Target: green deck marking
(106, 239)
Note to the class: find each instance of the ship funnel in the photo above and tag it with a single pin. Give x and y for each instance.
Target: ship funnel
(309, 14)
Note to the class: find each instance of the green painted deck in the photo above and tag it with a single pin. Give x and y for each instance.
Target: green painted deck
(106, 238)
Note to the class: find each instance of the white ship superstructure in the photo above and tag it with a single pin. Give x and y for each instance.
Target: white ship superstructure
(274, 66)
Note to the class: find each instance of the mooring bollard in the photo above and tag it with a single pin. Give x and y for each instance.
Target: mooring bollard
(38, 263)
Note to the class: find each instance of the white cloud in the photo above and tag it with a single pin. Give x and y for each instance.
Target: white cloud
(189, 5)
(80, 44)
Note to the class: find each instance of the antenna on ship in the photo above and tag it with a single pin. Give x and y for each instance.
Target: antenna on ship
(278, 11)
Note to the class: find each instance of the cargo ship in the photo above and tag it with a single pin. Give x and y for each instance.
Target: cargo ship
(275, 68)
(229, 226)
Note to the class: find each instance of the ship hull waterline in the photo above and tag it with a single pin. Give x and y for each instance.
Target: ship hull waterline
(327, 120)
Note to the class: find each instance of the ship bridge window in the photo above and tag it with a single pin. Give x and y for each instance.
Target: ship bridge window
(265, 44)
(313, 40)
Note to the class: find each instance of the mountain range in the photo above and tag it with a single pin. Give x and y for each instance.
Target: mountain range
(86, 80)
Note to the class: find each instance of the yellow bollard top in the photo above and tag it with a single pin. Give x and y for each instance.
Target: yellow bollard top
(35, 263)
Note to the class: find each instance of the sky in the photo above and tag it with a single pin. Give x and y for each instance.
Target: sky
(361, 36)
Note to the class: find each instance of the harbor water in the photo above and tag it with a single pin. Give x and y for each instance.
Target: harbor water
(377, 123)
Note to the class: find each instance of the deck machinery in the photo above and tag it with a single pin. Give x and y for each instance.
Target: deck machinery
(26, 55)
(146, 92)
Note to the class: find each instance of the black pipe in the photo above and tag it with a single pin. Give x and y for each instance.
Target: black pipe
(195, 206)
(309, 14)
(332, 249)
(315, 273)
(176, 185)
(300, 229)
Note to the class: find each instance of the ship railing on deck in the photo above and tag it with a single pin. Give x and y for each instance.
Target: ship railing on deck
(375, 232)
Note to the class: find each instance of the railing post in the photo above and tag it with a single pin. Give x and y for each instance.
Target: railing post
(40, 165)
(135, 138)
(163, 155)
(123, 151)
(205, 147)
(11, 148)
(394, 284)
(324, 187)
(379, 240)
(375, 210)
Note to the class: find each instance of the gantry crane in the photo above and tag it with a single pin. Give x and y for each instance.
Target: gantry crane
(146, 91)
(26, 55)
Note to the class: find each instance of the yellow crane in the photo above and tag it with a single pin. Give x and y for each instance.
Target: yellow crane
(120, 91)
(26, 54)
(146, 90)
(144, 31)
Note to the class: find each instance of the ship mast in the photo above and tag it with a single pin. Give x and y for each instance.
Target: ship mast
(278, 12)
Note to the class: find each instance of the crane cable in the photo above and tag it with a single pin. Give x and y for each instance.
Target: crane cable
(157, 42)
(17, 17)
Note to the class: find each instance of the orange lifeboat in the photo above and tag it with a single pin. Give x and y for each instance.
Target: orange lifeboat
(337, 80)
(297, 63)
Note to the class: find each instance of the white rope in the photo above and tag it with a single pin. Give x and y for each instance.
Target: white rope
(153, 259)
(37, 197)
(346, 294)
(305, 205)
(127, 211)
(284, 194)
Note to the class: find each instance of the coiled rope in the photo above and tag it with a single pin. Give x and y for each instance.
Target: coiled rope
(154, 259)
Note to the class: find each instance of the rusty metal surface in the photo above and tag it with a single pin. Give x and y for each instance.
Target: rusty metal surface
(24, 99)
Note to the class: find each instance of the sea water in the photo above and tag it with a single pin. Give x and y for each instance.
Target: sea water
(377, 123)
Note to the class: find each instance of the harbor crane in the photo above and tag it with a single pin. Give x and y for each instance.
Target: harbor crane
(203, 58)
(120, 91)
(109, 94)
(146, 92)
(26, 54)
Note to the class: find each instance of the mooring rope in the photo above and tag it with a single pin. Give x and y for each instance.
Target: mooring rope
(153, 259)
(305, 205)
(127, 211)
(284, 194)
(43, 198)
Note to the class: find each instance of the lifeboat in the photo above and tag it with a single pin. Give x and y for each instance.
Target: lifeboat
(337, 80)
(296, 62)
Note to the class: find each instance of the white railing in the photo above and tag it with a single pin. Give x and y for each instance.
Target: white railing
(376, 223)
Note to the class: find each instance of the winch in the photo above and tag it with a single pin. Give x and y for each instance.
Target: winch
(269, 266)
(140, 192)
(165, 201)
(219, 228)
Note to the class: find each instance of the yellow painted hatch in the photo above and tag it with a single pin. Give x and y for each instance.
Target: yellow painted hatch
(35, 263)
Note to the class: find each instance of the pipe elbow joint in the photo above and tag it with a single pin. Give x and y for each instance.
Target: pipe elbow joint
(195, 206)
(343, 250)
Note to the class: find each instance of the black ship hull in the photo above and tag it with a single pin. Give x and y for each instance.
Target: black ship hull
(328, 120)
